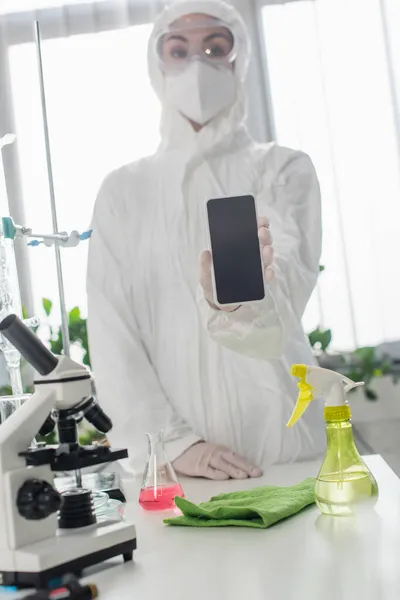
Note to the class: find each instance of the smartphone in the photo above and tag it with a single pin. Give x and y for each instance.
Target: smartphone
(235, 247)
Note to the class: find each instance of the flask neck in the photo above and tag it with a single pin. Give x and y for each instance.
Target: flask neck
(156, 449)
(154, 439)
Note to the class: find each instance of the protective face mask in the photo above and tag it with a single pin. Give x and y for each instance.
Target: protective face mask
(201, 91)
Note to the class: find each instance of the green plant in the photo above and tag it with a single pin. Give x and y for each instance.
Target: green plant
(77, 331)
(320, 339)
(366, 366)
(50, 440)
(86, 437)
(361, 365)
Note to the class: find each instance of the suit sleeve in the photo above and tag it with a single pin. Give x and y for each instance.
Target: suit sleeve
(261, 329)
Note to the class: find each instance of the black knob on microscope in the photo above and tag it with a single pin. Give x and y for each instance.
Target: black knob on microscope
(37, 499)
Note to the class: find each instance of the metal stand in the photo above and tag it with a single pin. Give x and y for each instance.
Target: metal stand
(60, 282)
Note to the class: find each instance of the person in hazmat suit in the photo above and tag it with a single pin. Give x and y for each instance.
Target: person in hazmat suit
(164, 356)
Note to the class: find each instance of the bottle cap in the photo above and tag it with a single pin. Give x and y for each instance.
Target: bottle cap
(337, 413)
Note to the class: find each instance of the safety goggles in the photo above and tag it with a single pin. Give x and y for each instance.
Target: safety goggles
(208, 39)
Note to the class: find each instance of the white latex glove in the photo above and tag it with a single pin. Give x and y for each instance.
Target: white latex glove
(265, 238)
(214, 462)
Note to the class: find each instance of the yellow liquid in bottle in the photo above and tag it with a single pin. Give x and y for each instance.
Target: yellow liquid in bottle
(346, 494)
(344, 484)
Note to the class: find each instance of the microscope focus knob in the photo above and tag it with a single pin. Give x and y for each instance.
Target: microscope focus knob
(37, 499)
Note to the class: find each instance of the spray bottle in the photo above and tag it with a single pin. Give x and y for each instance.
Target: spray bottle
(344, 482)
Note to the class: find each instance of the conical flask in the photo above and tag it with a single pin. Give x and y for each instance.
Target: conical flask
(160, 484)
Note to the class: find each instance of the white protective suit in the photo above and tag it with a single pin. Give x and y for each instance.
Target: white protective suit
(162, 357)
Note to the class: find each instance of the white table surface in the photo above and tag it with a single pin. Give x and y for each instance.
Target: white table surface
(307, 557)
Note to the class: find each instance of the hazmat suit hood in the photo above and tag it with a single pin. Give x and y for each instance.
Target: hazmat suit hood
(176, 131)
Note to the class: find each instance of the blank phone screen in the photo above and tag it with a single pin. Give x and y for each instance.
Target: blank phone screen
(235, 249)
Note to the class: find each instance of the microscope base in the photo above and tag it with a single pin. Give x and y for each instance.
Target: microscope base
(40, 565)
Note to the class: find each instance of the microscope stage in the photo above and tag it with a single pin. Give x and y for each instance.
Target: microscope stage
(35, 565)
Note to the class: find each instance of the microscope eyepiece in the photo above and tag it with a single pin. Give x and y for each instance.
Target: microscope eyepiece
(28, 344)
(98, 418)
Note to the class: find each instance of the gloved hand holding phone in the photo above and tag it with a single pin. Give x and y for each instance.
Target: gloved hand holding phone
(214, 462)
(267, 254)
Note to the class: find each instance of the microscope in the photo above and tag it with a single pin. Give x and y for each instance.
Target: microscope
(45, 534)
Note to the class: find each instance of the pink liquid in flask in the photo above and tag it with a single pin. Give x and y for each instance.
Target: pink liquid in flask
(161, 498)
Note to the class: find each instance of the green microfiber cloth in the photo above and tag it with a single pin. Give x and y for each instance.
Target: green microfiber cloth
(259, 508)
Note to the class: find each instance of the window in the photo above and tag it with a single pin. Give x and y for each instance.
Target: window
(332, 96)
(102, 114)
(333, 73)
